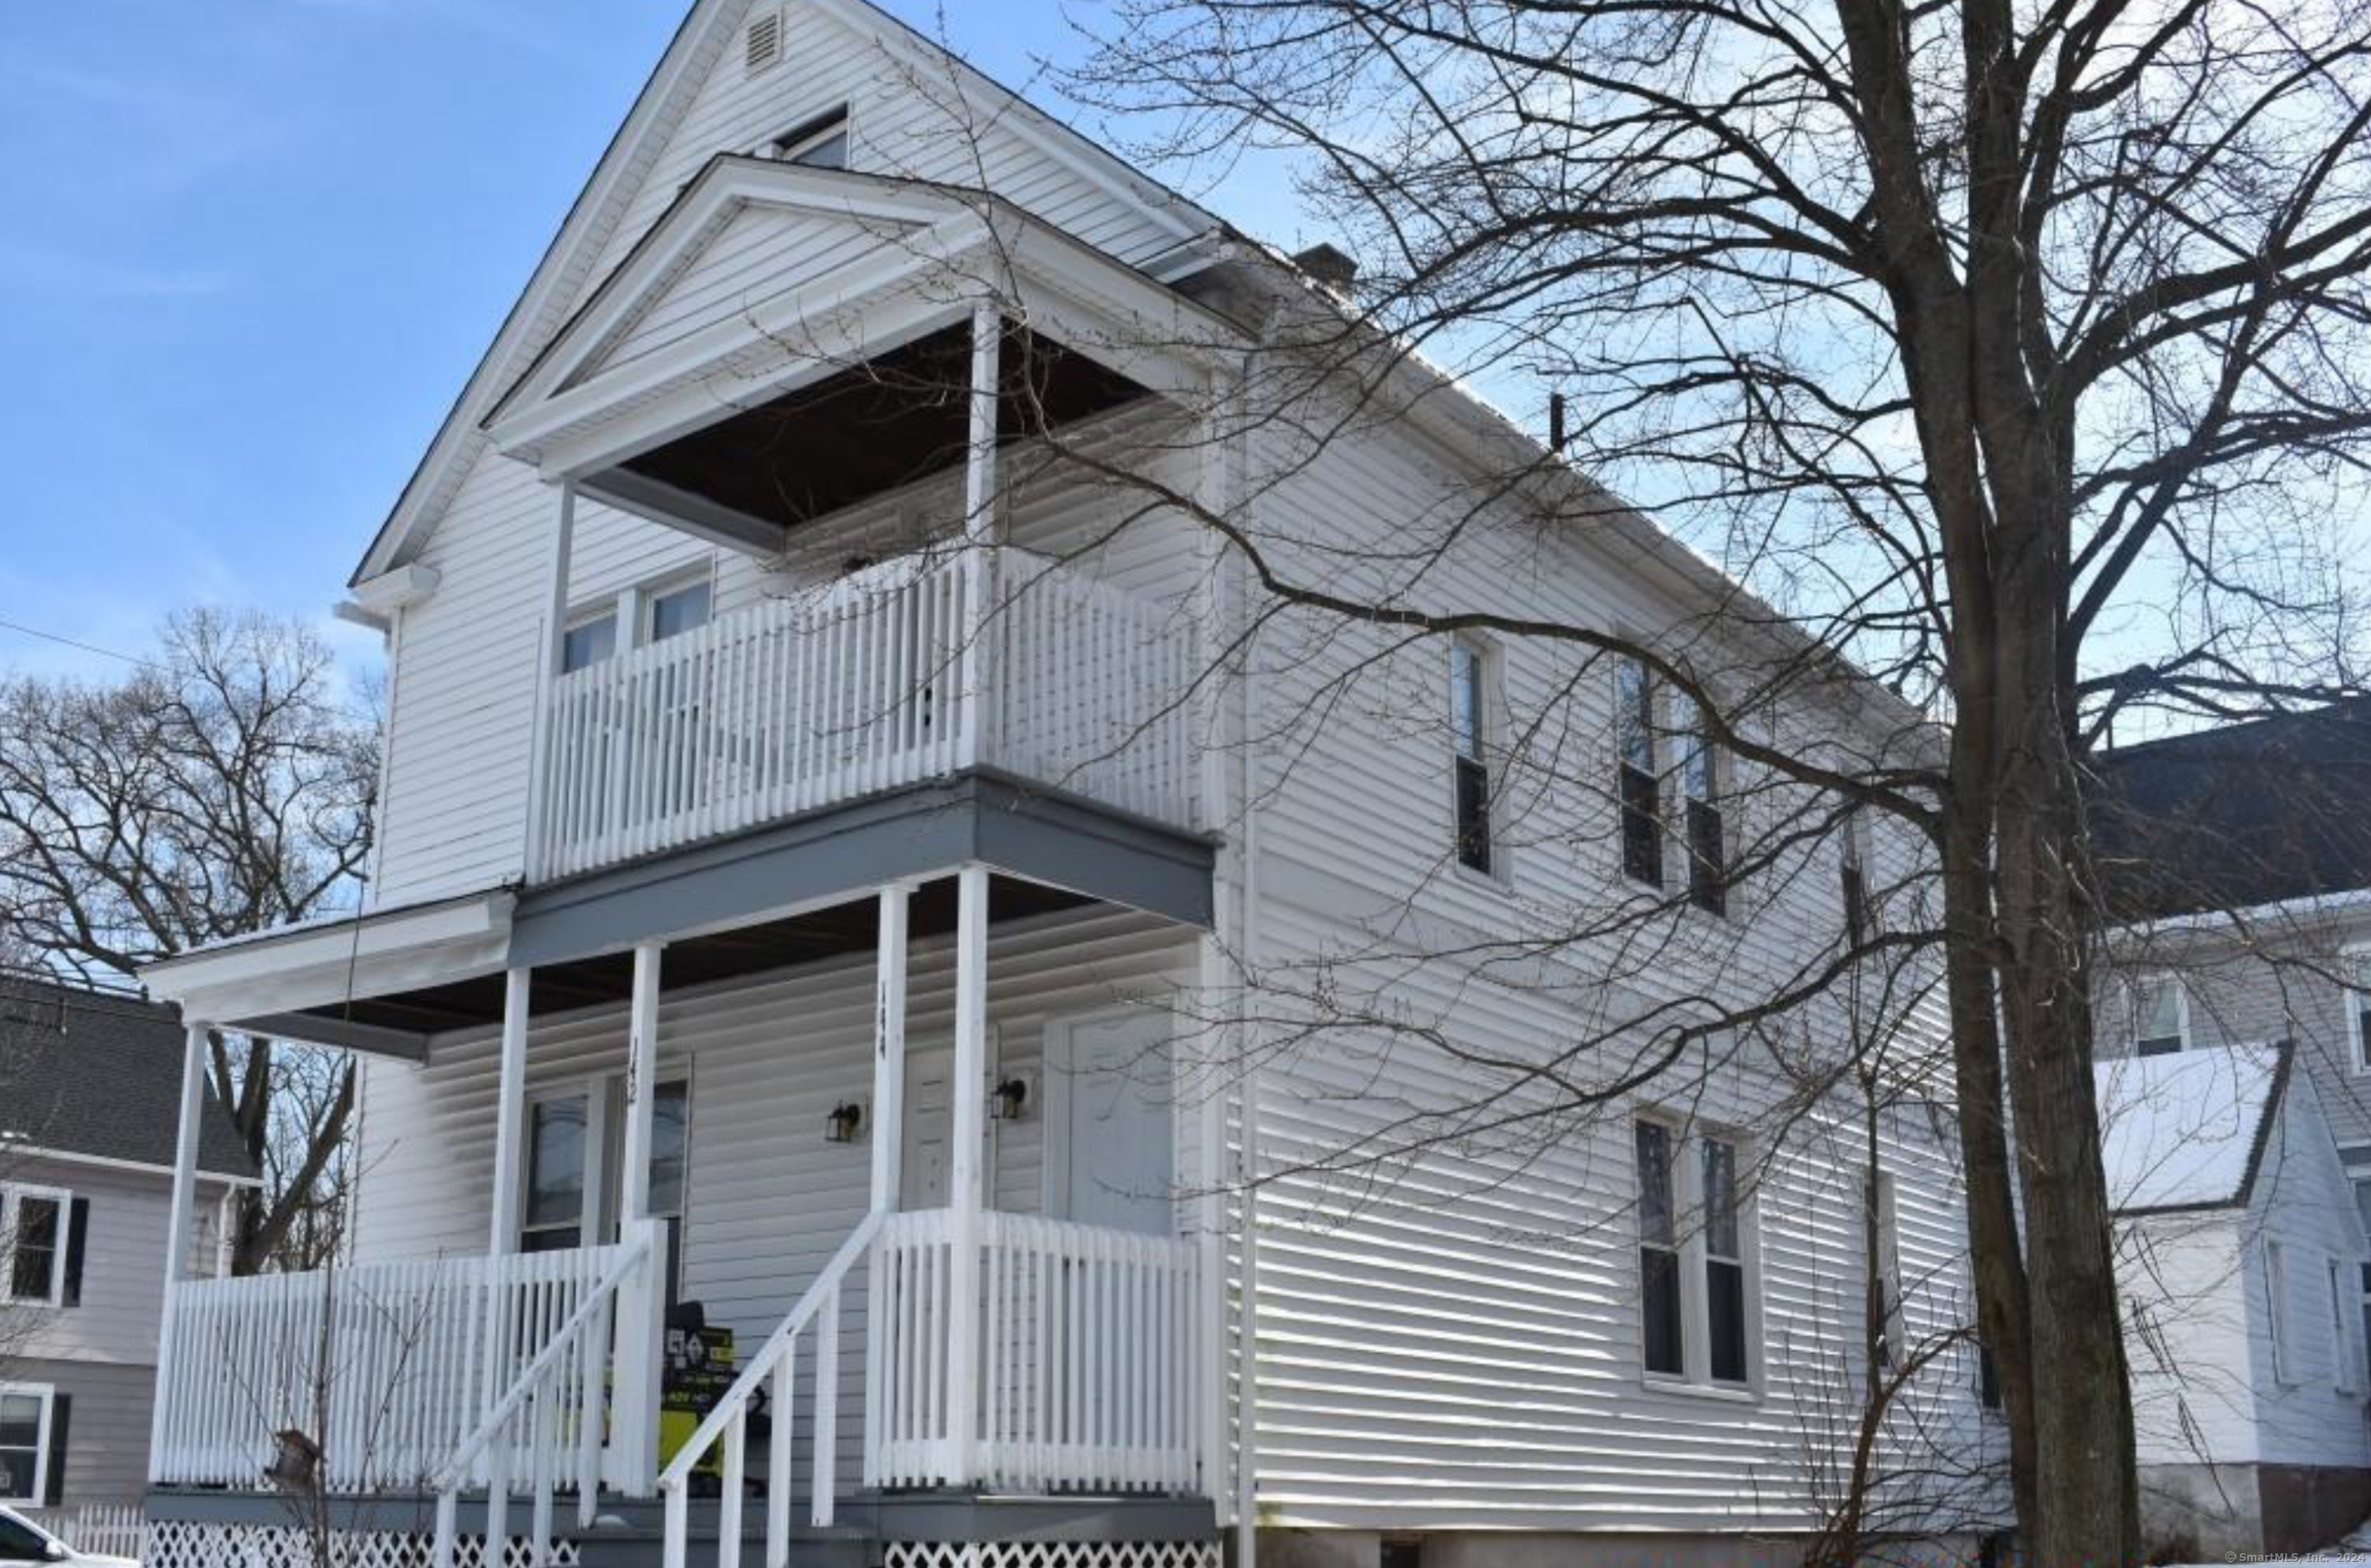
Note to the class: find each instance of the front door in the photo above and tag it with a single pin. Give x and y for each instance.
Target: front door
(1112, 1103)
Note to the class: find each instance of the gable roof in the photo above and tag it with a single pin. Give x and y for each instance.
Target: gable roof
(85, 1072)
(562, 277)
(2236, 817)
(2187, 1131)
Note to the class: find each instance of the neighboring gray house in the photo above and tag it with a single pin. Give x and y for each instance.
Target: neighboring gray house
(89, 1086)
(2237, 862)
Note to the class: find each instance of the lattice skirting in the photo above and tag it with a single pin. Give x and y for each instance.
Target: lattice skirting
(1052, 1554)
(187, 1543)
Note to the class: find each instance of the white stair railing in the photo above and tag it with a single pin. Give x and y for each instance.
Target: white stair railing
(562, 1402)
(775, 1370)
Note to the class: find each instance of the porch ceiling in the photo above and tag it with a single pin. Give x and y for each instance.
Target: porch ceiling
(848, 927)
(756, 475)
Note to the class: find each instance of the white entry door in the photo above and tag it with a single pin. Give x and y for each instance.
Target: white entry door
(922, 1148)
(1110, 1114)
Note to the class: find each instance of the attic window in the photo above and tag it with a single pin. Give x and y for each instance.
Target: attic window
(762, 44)
(817, 143)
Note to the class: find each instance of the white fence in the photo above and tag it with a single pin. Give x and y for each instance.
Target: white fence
(1089, 1363)
(99, 1529)
(390, 1368)
(789, 705)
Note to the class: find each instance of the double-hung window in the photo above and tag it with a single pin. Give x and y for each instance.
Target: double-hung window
(2342, 1333)
(1696, 1262)
(2277, 1310)
(33, 1244)
(2358, 999)
(1638, 788)
(1707, 831)
(575, 1143)
(1888, 1318)
(28, 1412)
(1659, 1310)
(1853, 876)
(1469, 719)
(2160, 1010)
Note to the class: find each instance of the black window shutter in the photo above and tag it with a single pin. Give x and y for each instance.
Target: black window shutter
(77, 1237)
(55, 1492)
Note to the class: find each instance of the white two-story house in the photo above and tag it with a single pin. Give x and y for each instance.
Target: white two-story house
(851, 817)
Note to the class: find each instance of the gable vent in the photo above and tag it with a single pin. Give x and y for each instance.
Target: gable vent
(762, 44)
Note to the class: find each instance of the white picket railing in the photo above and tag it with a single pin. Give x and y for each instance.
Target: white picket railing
(792, 705)
(1088, 1368)
(552, 1421)
(99, 1529)
(815, 1319)
(389, 1366)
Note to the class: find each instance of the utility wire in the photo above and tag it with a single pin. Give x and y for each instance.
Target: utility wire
(7, 625)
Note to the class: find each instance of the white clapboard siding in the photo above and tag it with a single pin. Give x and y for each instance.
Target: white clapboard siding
(770, 1199)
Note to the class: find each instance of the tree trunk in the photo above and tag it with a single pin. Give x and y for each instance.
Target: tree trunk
(2087, 1509)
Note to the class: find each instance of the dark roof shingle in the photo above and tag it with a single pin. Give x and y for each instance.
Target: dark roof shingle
(87, 1072)
(2237, 818)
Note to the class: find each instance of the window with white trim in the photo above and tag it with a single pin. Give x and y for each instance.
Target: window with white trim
(1637, 786)
(2341, 1334)
(2160, 1015)
(2356, 1158)
(1469, 732)
(33, 1237)
(1699, 1271)
(1853, 874)
(2356, 1001)
(2277, 1304)
(817, 143)
(1885, 1302)
(1700, 798)
(26, 1409)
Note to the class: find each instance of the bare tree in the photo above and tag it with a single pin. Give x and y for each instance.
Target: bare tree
(2016, 355)
(223, 789)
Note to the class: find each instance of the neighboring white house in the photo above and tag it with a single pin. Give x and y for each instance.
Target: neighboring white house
(2242, 1257)
(2239, 856)
(818, 838)
(88, 1112)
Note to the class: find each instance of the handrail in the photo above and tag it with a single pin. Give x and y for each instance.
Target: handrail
(585, 1334)
(729, 1420)
(451, 1476)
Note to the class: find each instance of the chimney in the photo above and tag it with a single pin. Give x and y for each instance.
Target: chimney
(1326, 265)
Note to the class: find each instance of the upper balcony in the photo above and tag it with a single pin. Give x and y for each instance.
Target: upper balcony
(911, 669)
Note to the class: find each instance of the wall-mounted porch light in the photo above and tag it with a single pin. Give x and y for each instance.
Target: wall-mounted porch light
(1009, 1099)
(846, 1123)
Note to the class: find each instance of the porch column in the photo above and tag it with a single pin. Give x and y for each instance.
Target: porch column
(967, 1092)
(641, 1307)
(548, 663)
(980, 525)
(177, 1230)
(641, 1087)
(889, 1047)
(510, 1117)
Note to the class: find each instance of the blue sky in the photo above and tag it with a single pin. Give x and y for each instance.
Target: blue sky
(252, 248)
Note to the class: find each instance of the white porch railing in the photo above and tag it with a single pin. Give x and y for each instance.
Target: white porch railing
(390, 1368)
(789, 705)
(98, 1529)
(1088, 1366)
(558, 1412)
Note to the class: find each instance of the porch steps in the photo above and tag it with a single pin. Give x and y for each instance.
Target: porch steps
(628, 1534)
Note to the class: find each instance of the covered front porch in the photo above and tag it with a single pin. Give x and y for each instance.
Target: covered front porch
(576, 1150)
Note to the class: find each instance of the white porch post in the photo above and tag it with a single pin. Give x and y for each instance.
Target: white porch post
(177, 1231)
(634, 1401)
(889, 1047)
(967, 1090)
(555, 639)
(979, 527)
(510, 1115)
